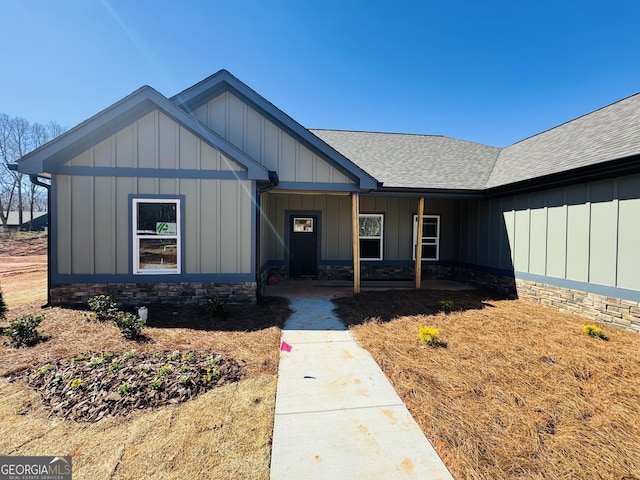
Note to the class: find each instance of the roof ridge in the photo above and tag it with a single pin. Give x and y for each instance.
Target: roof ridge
(380, 133)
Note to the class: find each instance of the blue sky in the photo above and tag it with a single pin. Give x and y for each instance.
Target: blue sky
(492, 72)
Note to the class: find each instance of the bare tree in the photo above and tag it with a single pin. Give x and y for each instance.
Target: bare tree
(17, 138)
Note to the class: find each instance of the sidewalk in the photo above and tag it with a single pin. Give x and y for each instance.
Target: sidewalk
(337, 416)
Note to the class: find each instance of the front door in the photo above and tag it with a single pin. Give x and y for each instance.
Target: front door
(303, 246)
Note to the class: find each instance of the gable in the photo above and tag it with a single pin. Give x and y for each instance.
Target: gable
(256, 127)
(155, 141)
(118, 129)
(271, 146)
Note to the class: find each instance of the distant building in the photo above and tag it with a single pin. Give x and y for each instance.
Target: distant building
(40, 221)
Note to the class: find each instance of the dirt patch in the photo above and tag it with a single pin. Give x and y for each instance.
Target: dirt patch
(21, 244)
(519, 391)
(23, 268)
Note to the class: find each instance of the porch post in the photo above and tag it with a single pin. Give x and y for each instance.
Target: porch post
(419, 243)
(355, 234)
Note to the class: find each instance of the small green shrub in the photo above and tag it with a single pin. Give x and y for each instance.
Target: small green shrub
(130, 354)
(23, 330)
(185, 381)
(124, 389)
(114, 367)
(130, 325)
(445, 306)
(215, 307)
(80, 358)
(95, 361)
(164, 370)
(46, 369)
(213, 360)
(104, 307)
(189, 357)
(429, 336)
(594, 331)
(156, 384)
(174, 356)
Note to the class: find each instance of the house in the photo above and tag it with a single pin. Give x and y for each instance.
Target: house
(206, 193)
(39, 221)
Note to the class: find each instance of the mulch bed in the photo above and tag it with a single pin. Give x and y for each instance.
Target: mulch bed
(387, 305)
(91, 387)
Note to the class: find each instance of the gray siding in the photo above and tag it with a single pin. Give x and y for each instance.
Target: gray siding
(336, 224)
(154, 141)
(93, 230)
(93, 226)
(266, 143)
(588, 232)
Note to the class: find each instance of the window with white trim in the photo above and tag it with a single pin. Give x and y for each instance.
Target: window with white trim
(430, 236)
(156, 236)
(371, 231)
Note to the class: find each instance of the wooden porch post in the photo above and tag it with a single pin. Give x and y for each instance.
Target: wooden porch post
(355, 234)
(419, 243)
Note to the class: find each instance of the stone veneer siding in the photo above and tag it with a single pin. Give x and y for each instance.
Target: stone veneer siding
(137, 294)
(611, 310)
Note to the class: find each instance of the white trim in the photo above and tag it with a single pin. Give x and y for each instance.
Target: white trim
(427, 239)
(137, 237)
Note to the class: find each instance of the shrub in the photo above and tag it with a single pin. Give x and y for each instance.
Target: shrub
(429, 336)
(76, 384)
(23, 330)
(593, 331)
(124, 389)
(215, 307)
(130, 325)
(104, 307)
(156, 384)
(445, 306)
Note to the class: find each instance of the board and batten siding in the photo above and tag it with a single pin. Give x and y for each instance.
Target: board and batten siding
(93, 232)
(587, 232)
(266, 143)
(154, 141)
(335, 228)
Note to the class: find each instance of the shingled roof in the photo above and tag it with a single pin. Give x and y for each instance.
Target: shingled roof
(610, 133)
(437, 162)
(415, 161)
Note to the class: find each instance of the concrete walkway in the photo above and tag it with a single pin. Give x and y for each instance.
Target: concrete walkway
(337, 416)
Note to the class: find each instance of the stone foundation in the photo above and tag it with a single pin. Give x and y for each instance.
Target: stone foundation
(503, 284)
(370, 271)
(614, 311)
(137, 294)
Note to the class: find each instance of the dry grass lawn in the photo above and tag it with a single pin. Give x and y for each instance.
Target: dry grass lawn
(519, 392)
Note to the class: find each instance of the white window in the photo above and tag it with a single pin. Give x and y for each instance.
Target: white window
(371, 235)
(156, 236)
(430, 236)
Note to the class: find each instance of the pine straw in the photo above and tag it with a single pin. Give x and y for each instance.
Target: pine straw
(69, 333)
(225, 433)
(519, 391)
